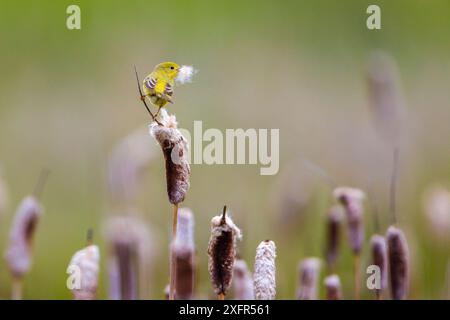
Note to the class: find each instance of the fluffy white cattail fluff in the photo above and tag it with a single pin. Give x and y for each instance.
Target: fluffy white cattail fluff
(183, 249)
(309, 277)
(333, 287)
(352, 200)
(185, 74)
(127, 161)
(129, 261)
(174, 147)
(19, 251)
(222, 252)
(436, 203)
(243, 281)
(398, 253)
(380, 259)
(85, 263)
(264, 277)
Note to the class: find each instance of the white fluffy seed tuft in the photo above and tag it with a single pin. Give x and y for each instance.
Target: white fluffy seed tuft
(185, 74)
(87, 262)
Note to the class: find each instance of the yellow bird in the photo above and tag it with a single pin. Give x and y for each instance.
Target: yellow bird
(158, 85)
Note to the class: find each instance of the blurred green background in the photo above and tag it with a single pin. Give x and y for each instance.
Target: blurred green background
(68, 97)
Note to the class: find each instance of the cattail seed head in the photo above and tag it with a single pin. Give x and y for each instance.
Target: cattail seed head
(222, 252)
(243, 281)
(309, 276)
(380, 258)
(19, 251)
(183, 250)
(352, 200)
(334, 220)
(128, 159)
(130, 252)
(174, 147)
(398, 254)
(87, 263)
(264, 277)
(386, 100)
(333, 287)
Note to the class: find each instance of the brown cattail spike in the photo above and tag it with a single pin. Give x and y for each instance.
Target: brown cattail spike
(264, 277)
(130, 251)
(334, 220)
(380, 259)
(222, 252)
(398, 254)
(352, 199)
(183, 250)
(309, 277)
(174, 147)
(333, 287)
(18, 253)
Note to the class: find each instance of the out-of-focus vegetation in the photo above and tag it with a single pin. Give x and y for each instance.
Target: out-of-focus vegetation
(67, 97)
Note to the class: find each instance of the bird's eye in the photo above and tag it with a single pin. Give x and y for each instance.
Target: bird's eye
(172, 67)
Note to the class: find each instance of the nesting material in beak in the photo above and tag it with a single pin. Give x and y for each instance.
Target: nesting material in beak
(185, 74)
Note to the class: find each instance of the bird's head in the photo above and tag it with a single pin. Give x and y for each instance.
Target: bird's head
(170, 69)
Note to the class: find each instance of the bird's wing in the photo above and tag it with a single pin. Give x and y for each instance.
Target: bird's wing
(168, 89)
(150, 83)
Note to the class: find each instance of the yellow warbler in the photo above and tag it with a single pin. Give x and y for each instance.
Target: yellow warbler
(158, 85)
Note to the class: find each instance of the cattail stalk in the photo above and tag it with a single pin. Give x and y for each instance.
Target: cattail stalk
(130, 253)
(380, 259)
(264, 277)
(19, 251)
(309, 270)
(222, 253)
(352, 200)
(333, 236)
(333, 287)
(243, 282)
(174, 147)
(448, 281)
(183, 251)
(398, 254)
